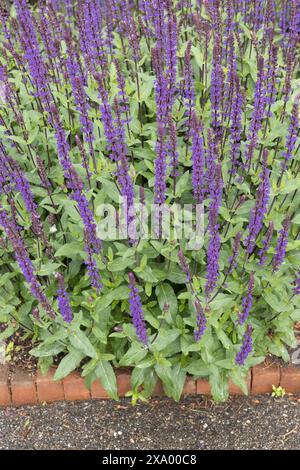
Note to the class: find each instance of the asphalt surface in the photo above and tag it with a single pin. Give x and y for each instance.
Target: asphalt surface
(195, 423)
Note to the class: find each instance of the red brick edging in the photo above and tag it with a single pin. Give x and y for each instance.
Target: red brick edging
(21, 388)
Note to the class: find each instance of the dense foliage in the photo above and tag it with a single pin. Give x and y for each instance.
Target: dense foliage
(160, 101)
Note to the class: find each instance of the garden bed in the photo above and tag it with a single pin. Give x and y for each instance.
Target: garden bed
(22, 383)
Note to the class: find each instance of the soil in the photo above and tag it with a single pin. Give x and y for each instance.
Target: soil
(18, 356)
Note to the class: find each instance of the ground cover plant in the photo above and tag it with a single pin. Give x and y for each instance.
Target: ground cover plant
(166, 103)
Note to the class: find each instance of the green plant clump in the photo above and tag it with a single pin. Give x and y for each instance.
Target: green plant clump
(184, 109)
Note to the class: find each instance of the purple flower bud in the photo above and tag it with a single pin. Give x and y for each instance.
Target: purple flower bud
(216, 189)
(233, 258)
(198, 159)
(246, 347)
(136, 310)
(171, 49)
(266, 244)
(247, 301)
(260, 208)
(160, 166)
(63, 300)
(258, 111)
(281, 245)
(292, 133)
(188, 81)
(36, 314)
(42, 173)
(201, 321)
(216, 90)
(184, 265)
(236, 125)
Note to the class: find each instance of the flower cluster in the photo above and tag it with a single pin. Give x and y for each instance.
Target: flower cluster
(63, 299)
(246, 347)
(247, 301)
(260, 208)
(281, 245)
(136, 310)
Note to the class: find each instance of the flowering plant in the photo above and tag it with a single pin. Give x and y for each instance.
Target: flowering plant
(112, 109)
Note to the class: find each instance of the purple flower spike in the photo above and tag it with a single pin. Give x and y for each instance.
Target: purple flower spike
(201, 321)
(171, 47)
(184, 265)
(32, 52)
(281, 245)
(266, 244)
(258, 112)
(216, 188)
(247, 301)
(188, 84)
(160, 166)
(216, 90)
(136, 310)
(246, 347)
(63, 300)
(236, 125)
(292, 133)
(233, 258)
(198, 159)
(260, 208)
(75, 185)
(172, 148)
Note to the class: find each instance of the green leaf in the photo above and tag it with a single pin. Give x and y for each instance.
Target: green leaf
(69, 363)
(223, 338)
(290, 186)
(70, 250)
(120, 264)
(146, 274)
(49, 268)
(146, 88)
(222, 301)
(164, 338)
(89, 367)
(182, 184)
(44, 350)
(105, 373)
(166, 296)
(119, 293)
(173, 379)
(274, 302)
(9, 331)
(219, 386)
(110, 190)
(240, 379)
(134, 355)
(198, 368)
(81, 342)
(175, 274)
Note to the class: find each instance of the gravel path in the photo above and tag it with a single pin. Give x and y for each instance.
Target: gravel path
(241, 423)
